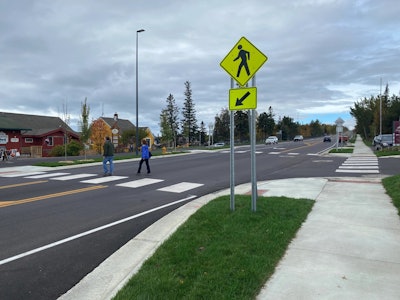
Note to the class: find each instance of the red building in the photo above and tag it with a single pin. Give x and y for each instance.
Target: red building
(31, 135)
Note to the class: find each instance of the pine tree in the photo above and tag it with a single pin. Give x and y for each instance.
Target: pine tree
(189, 121)
(169, 120)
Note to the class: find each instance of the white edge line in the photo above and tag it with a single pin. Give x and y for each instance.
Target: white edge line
(74, 237)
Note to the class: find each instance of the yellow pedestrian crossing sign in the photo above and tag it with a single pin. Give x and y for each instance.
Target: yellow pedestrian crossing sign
(243, 61)
(243, 98)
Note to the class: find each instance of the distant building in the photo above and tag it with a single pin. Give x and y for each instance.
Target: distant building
(32, 135)
(118, 127)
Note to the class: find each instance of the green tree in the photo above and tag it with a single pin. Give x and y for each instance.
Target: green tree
(221, 126)
(316, 128)
(84, 124)
(129, 136)
(266, 123)
(169, 121)
(289, 128)
(202, 133)
(189, 121)
(363, 111)
(242, 125)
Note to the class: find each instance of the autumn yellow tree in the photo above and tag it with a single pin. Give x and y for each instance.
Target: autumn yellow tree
(99, 130)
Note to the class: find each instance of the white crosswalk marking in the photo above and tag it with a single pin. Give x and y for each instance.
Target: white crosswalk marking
(61, 176)
(360, 164)
(104, 179)
(76, 176)
(46, 175)
(140, 182)
(22, 174)
(180, 187)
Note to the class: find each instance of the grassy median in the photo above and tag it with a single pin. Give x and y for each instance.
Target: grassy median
(220, 254)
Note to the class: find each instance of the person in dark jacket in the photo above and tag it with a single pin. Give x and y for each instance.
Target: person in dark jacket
(108, 156)
(145, 157)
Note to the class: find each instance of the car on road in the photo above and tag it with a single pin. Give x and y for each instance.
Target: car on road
(298, 138)
(327, 138)
(271, 140)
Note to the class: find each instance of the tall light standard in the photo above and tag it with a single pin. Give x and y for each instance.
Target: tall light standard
(137, 92)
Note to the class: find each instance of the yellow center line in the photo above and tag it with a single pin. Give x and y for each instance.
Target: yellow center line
(299, 147)
(71, 192)
(22, 184)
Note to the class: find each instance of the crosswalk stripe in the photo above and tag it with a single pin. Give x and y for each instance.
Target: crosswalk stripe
(358, 164)
(140, 182)
(22, 174)
(358, 167)
(104, 179)
(76, 176)
(357, 171)
(180, 187)
(46, 175)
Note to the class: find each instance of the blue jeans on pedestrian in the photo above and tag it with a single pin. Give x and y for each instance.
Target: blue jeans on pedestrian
(109, 159)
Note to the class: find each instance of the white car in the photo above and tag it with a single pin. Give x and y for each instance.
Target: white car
(216, 145)
(271, 140)
(298, 138)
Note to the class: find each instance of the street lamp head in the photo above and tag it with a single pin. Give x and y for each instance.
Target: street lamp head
(140, 30)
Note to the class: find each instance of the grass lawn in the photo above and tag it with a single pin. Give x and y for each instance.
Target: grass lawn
(392, 186)
(388, 151)
(220, 254)
(342, 150)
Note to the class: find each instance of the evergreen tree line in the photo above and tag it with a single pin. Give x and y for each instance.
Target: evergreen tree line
(185, 130)
(375, 114)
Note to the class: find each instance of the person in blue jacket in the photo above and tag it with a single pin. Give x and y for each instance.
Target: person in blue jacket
(145, 156)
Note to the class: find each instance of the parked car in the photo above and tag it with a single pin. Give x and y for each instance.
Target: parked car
(386, 140)
(376, 139)
(219, 145)
(327, 138)
(271, 140)
(298, 138)
(343, 139)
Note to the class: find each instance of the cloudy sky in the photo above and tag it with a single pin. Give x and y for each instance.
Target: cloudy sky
(323, 55)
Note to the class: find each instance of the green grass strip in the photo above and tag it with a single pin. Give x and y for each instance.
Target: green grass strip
(220, 254)
(392, 187)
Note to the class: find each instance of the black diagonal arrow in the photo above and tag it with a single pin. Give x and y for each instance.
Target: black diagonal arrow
(240, 101)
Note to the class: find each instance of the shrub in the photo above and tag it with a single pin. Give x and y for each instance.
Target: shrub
(73, 149)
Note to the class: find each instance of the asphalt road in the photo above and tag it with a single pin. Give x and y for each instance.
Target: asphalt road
(60, 227)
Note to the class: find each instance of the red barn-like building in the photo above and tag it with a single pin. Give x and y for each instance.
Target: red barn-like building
(32, 135)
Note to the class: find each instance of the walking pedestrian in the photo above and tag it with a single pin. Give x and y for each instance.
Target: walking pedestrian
(108, 156)
(145, 156)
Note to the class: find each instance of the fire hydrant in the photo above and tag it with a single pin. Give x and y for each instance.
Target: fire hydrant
(164, 150)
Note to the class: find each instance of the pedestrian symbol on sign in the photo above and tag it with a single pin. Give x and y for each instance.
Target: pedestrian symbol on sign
(244, 56)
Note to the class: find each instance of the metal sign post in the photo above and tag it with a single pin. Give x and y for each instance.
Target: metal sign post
(232, 156)
(253, 158)
(241, 68)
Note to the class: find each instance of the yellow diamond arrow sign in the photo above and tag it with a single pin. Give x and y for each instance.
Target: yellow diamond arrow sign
(243, 61)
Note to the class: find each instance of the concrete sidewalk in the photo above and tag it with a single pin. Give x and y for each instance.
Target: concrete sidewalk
(348, 248)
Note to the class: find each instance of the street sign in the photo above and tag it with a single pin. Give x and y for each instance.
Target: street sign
(243, 61)
(243, 98)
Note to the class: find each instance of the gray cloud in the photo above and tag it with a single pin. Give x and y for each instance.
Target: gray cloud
(323, 55)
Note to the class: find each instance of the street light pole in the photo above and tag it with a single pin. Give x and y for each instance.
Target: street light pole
(137, 92)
